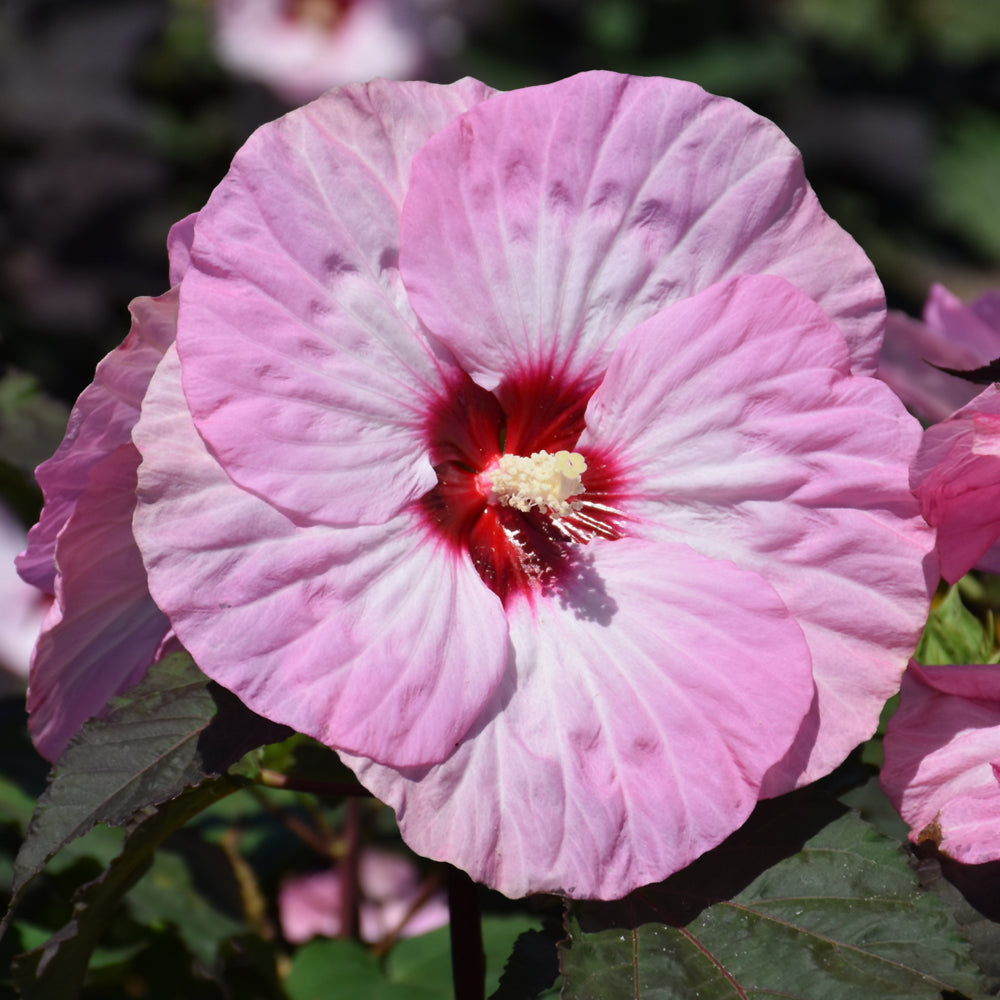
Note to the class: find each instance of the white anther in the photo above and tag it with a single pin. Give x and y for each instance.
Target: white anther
(543, 481)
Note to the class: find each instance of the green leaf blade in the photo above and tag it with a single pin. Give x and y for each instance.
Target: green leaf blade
(142, 752)
(839, 919)
(172, 731)
(953, 634)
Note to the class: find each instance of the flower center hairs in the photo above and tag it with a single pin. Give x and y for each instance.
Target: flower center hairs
(512, 490)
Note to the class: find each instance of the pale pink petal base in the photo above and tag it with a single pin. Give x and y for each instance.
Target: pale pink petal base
(371, 638)
(941, 748)
(956, 476)
(104, 630)
(753, 442)
(644, 702)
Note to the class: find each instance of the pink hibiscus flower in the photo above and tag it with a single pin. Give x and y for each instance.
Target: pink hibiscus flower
(523, 448)
(393, 902)
(942, 759)
(23, 609)
(956, 476)
(300, 48)
(952, 335)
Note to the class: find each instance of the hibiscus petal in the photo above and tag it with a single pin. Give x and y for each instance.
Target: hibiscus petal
(179, 241)
(104, 630)
(956, 475)
(987, 309)
(641, 709)
(973, 328)
(373, 638)
(545, 223)
(100, 422)
(909, 353)
(940, 749)
(293, 317)
(739, 431)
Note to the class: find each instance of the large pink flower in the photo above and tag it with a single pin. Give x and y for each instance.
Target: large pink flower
(942, 759)
(953, 335)
(956, 476)
(523, 447)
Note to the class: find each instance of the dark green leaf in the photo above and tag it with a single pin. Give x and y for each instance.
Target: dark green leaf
(424, 962)
(58, 967)
(972, 893)
(164, 735)
(31, 423)
(417, 968)
(234, 732)
(841, 918)
(532, 968)
(355, 970)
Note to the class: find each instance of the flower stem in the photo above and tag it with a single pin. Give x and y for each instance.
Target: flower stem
(350, 893)
(468, 961)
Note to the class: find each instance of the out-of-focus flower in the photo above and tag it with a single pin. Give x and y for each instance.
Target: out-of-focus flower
(522, 448)
(393, 901)
(942, 759)
(300, 48)
(952, 335)
(22, 608)
(956, 476)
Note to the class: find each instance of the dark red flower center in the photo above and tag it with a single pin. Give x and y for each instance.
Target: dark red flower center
(515, 551)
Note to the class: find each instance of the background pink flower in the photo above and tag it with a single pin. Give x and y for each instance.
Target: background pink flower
(301, 48)
(956, 476)
(396, 281)
(23, 608)
(953, 335)
(942, 758)
(393, 901)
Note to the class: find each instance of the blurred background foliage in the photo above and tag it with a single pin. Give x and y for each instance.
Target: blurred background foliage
(117, 119)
